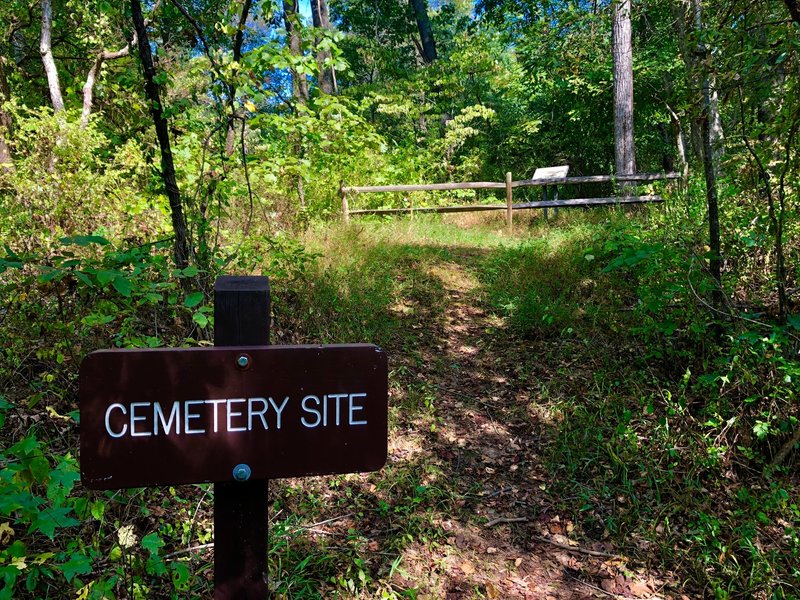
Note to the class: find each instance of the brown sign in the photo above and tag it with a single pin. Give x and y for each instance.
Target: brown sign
(167, 417)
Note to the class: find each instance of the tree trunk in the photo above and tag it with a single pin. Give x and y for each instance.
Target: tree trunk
(709, 168)
(152, 92)
(6, 164)
(624, 153)
(49, 62)
(91, 78)
(327, 75)
(290, 20)
(238, 41)
(420, 8)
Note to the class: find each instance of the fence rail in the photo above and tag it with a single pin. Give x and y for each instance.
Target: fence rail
(508, 185)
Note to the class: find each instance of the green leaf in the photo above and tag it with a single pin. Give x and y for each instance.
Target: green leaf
(200, 319)
(48, 519)
(193, 299)
(104, 277)
(180, 576)
(62, 480)
(794, 321)
(190, 271)
(78, 564)
(152, 542)
(123, 286)
(84, 240)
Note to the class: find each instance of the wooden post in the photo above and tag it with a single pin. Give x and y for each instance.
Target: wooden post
(555, 197)
(509, 204)
(345, 209)
(241, 318)
(544, 199)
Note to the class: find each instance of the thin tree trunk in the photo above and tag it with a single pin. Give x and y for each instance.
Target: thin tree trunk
(290, 20)
(6, 163)
(152, 92)
(91, 78)
(715, 262)
(238, 41)
(420, 8)
(624, 153)
(327, 75)
(709, 168)
(49, 62)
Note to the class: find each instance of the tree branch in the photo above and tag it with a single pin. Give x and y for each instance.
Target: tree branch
(88, 87)
(45, 49)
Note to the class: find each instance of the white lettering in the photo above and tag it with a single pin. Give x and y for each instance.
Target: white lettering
(310, 410)
(278, 409)
(338, 400)
(235, 414)
(174, 415)
(188, 416)
(134, 419)
(216, 404)
(260, 413)
(108, 423)
(354, 407)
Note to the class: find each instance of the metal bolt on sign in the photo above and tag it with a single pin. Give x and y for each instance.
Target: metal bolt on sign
(241, 472)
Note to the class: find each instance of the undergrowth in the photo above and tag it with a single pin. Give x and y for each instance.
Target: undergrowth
(669, 437)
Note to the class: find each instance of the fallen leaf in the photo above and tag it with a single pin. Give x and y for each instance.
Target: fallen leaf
(492, 591)
(6, 533)
(467, 567)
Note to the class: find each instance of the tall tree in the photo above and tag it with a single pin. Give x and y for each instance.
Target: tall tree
(327, 74)
(622, 48)
(709, 113)
(420, 8)
(153, 94)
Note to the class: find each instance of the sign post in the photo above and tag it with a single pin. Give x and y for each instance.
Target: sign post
(241, 522)
(235, 415)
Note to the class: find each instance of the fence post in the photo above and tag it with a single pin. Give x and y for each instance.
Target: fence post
(544, 199)
(241, 318)
(345, 209)
(509, 203)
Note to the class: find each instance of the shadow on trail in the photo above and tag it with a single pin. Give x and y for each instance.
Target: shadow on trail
(466, 505)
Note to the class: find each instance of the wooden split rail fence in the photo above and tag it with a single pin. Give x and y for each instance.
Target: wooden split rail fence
(551, 201)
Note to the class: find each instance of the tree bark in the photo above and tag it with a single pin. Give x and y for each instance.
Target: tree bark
(624, 153)
(420, 8)
(6, 163)
(91, 78)
(291, 10)
(327, 75)
(152, 92)
(48, 61)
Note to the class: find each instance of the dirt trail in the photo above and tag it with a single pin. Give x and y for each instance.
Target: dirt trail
(505, 539)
